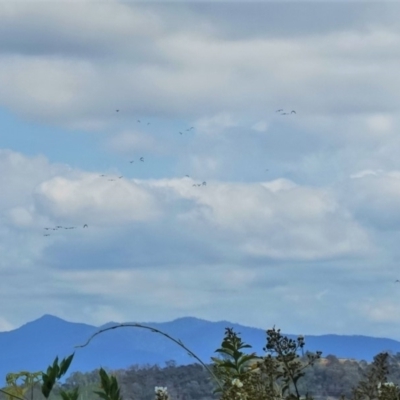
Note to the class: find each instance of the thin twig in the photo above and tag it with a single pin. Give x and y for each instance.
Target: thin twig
(178, 342)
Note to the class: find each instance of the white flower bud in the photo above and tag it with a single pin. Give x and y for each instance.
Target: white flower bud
(237, 382)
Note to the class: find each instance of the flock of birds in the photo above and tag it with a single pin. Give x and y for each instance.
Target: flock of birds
(285, 113)
(141, 159)
(62, 227)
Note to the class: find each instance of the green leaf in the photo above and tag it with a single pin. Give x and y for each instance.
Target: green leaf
(102, 395)
(65, 363)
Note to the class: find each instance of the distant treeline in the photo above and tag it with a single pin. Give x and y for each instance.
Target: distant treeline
(329, 377)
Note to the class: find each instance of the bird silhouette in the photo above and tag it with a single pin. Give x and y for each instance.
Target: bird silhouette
(141, 159)
(116, 110)
(292, 112)
(120, 177)
(187, 176)
(138, 121)
(46, 234)
(281, 109)
(131, 161)
(148, 123)
(181, 133)
(204, 183)
(86, 226)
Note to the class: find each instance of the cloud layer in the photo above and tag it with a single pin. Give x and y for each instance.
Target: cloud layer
(236, 211)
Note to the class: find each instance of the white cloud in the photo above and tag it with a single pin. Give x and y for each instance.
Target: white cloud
(20, 217)
(373, 196)
(128, 142)
(239, 238)
(216, 124)
(21, 175)
(260, 126)
(73, 81)
(96, 200)
(362, 174)
(5, 325)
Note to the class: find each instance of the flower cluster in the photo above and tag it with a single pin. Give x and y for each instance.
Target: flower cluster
(237, 382)
(161, 393)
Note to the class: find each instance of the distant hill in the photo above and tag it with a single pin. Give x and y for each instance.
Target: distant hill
(34, 345)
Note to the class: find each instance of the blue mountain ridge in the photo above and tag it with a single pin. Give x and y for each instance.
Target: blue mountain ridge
(34, 346)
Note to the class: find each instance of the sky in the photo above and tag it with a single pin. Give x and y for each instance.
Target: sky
(237, 211)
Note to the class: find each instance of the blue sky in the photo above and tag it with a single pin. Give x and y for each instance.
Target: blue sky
(297, 224)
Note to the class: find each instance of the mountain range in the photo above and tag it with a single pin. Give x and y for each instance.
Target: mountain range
(33, 346)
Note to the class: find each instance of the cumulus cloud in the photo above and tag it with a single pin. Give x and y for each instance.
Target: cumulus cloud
(312, 195)
(373, 197)
(95, 200)
(75, 83)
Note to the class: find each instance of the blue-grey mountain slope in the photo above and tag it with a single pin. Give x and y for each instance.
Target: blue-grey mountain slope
(34, 345)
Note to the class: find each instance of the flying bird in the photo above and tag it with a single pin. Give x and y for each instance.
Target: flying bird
(185, 175)
(148, 123)
(281, 109)
(141, 159)
(181, 133)
(397, 280)
(46, 234)
(138, 121)
(116, 110)
(292, 112)
(85, 226)
(120, 177)
(204, 183)
(131, 161)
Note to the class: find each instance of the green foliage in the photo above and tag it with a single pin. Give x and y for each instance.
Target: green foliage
(374, 384)
(110, 387)
(54, 372)
(236, 363)
(283, 362)
(279, 375)
(70, 395)
(17, 389)
(247, 376)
